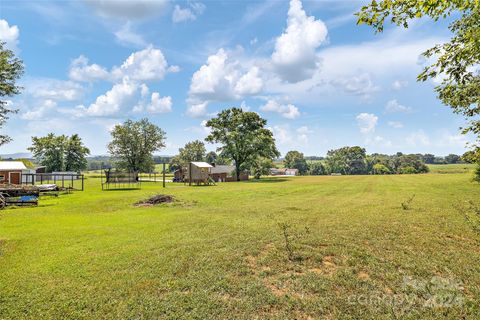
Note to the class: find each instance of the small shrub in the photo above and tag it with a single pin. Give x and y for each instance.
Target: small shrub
(406, 205)
(472, 215)
(289, 240)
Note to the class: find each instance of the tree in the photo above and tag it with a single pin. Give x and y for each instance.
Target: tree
(49, 151)
(243, 137)
(11, 69)
(316, 168)
(260, 167)
(295, 160)
(192, 151)
(380, 169)
(133, 144)
(452, 158)
(211, 157)
(456, 61)
(75, 154)
(428, 158)
(470, 157)
(348, 160)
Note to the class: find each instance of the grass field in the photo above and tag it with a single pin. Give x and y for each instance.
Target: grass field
(221, 252)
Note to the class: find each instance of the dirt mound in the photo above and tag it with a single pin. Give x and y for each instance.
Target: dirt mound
(157, 199)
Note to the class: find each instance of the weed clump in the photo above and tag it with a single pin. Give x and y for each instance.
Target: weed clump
(406, 205)
(290, 238)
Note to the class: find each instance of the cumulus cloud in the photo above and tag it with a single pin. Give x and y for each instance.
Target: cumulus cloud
(288, 111)
(144, 65)
(303, 134)
(128, 10)
(367, 122)
(189, 13)
(295, 58)
(393, 106)
(378, 141)
(127, 36)
(113, 101)
(159, 104)
(9, 34)
(81, 71)
(222, 78)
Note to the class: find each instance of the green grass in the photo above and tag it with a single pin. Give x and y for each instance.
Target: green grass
(452, 168)
(220, 251)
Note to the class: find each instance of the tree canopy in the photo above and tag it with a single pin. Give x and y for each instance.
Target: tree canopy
(296, 160)
(455, 62)
(11, 69)
(243, 137)
(60, 153)
(133, 144)
(192, 151)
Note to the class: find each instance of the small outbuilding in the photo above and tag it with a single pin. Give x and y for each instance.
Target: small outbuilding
(11, 171)
(198, 172)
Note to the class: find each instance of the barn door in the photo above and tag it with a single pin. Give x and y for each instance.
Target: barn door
(14, 177)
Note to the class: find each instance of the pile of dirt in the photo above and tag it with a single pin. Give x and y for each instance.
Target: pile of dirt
(157, 199)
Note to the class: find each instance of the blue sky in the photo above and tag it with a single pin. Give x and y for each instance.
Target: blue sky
(321, 81)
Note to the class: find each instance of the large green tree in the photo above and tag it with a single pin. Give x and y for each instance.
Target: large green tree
(11, 69)
(75, 154)
(60, 153)
(243, 137)
(347, 160)
(192, 151)
(296, 160)
(456, 62)
(133, 144)
(49, 151)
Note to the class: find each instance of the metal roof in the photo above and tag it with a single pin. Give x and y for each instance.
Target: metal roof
(201, 164)
(222, 169)
(12, 165)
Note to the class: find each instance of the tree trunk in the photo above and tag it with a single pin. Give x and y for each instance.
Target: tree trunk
(237, 168)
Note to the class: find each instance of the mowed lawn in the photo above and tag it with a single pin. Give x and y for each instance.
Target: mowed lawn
(220, 251)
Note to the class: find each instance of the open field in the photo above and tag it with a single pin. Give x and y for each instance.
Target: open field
(220, 251)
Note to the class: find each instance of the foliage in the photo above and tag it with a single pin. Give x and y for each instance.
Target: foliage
(75, 154)
(192, 151)
(211, 157)
(11, 69)
(455, 62)
(476, 176)
(60, 153)
(29, 164)
(295, 160)
(242, 135)
(471, 157)
(379, 168)
(316, 168)
(452, 158)
(133, 144)
(347, 160)
(260, 167)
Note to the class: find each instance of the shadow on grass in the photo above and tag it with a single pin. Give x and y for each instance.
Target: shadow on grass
(122, 189)
(267, 180)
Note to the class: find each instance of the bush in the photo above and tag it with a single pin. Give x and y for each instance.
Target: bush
(477, 173)
(380, 169)
(316, 169)
(407, 170)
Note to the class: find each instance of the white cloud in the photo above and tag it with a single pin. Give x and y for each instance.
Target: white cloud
(359, 85)
(399, 84)
(127, 36)
(418, 138)
(128, 10)
(393, 106)
(222, 78)
(81, 71)
(282, 134)
(303, 134)
(250, 83)
(144, 65)
(40, 112)
(9, 35)
(288, 111)
(367, 122)
(395, 124)
(189, 13)
(53, 89)
(295, 58)
(113, 101)
(197, 110)
(159, 104)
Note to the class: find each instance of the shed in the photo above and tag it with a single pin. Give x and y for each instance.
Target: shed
(198, 172)
(291, 172)
(11, 171)
(221, 173)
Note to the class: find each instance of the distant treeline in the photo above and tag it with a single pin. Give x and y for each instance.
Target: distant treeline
(106, 162)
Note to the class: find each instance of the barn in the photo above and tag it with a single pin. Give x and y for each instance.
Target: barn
(11, 171)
